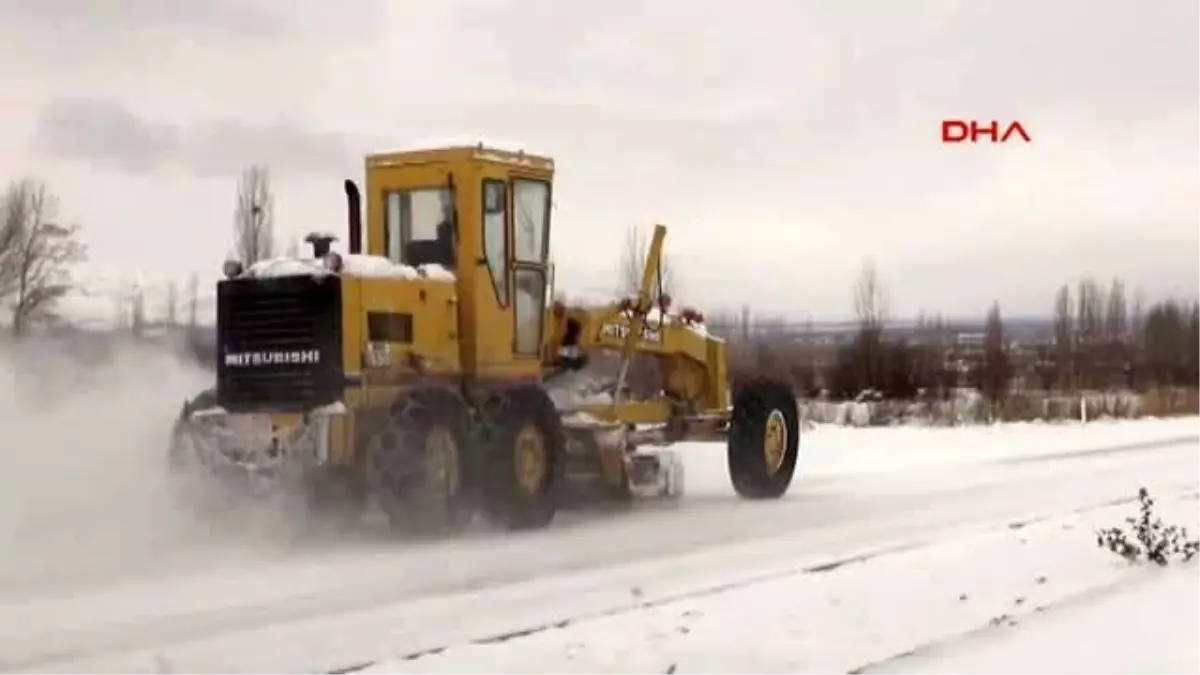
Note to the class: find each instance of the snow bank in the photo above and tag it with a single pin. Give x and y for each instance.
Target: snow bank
(845, 617)
(896, 453)
(968, 407)
(876, 448)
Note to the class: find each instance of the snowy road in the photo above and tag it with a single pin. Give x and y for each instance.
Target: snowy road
(349, 604)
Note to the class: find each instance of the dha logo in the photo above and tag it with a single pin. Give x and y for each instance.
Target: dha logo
(958, 131)
(273, 358)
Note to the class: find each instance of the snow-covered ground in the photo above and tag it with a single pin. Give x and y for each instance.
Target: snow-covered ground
(101, 571)
(1148, 624)
(842, 617)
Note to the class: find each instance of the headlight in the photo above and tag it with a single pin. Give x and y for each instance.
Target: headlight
(232, 268)
(333, 262)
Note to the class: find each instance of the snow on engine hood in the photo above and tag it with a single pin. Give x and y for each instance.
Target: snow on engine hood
(357, 265)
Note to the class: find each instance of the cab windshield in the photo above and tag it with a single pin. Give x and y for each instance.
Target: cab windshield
(419, 226)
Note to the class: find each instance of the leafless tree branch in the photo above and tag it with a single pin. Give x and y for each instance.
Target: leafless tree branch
(870, 299)
(254, 216)
(171, 311)
(36, 254)
(192, 295)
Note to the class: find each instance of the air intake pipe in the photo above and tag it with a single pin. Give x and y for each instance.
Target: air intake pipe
(353, 217)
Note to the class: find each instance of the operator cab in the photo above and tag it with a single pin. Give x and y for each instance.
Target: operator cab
(482, 213)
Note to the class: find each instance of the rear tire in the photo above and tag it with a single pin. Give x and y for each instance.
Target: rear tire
(523, 456)
(416, 458)
(764, 439)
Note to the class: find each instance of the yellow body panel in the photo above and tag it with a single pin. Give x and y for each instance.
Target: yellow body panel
(433, 348)
(692, 363)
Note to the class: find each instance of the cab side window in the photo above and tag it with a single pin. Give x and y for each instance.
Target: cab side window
(531, 207)
(531, 225)
(495, 245)
(419, 226)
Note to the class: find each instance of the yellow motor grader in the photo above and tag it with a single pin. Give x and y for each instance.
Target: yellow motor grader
(433, 373)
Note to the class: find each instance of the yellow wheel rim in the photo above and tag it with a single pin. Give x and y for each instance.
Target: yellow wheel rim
(441, 460)
(775, 441)
(530, 459)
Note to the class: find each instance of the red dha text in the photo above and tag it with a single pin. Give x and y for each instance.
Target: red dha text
(959, 131)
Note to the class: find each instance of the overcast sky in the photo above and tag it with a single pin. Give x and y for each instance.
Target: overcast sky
(783, 141)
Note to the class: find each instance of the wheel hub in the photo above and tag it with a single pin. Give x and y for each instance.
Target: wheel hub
(775, 441)
(530, 459)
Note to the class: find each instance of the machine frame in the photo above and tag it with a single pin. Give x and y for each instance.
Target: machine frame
(447, 353)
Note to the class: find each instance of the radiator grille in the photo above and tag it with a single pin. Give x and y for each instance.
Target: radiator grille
(279, 343)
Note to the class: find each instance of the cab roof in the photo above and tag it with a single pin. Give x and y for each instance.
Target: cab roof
(460, 153)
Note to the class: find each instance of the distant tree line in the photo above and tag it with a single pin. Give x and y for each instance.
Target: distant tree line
(1101, 340)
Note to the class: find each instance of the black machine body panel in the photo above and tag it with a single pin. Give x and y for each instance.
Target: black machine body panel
(279, 343)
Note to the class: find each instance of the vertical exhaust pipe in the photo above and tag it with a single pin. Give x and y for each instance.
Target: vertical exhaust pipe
(353, 217)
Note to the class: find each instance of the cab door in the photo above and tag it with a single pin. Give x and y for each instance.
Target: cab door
(531, 251)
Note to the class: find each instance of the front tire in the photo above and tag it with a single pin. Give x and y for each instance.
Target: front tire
(764, 439)
(416, 458)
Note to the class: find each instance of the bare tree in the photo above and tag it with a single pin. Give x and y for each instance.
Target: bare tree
(1116, 315)
(997, 371)
(633, 262)
(172, 304)
(36, 254)
(870, 299)
(137, 310)
(1089, 311)
(1137, 315)
(867, 358)
(1167, 343)
(193, 299)
(254, 216)
(1064, 336)
(1089, 328)
(120, 317)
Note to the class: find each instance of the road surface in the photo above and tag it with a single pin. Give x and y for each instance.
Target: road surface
(341, 604)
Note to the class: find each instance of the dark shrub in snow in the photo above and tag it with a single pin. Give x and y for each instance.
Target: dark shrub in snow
(1148, 538)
